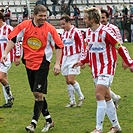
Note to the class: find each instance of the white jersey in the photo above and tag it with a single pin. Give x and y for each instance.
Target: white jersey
(4, 32)
(73, 42)
(102, 51)
(117, 31)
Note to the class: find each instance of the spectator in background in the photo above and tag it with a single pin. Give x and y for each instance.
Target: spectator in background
(125, 12)
(7, 15)
(25, 13)
(63, 9)
(55, 3)
(109, 9)
(49, 13)
(62, 2)
(70, 2)
(67, 11)
(42, 2)
(87, 2)
(131, 10)
(76, 14)
(115, 14)
(121, 27)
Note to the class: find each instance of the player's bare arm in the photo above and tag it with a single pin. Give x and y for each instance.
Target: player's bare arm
(57, 69)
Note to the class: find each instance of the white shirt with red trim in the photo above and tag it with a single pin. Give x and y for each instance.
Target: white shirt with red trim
(4, 32)
(117, 31)
(73, 42)
(102, 54)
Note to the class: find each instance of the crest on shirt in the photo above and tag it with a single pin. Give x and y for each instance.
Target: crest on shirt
(34, 43)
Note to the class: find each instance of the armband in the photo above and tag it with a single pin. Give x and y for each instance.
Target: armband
(117, 45)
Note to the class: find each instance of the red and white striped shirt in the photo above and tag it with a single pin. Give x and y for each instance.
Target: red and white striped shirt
(102, 51)
(73, 42)
(4, 32)
(117, 31)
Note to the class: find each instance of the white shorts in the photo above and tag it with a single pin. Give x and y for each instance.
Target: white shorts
(5, 67)
(68, 62)
(104, 79)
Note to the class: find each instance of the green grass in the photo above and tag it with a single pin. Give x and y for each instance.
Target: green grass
(67, 120)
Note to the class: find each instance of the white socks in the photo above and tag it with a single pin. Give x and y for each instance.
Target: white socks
(113, 95)
(101, 110)
(111, 113)
(71, 93)
(76, 87)
(108, 108)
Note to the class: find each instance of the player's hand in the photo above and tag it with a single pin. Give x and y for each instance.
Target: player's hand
(77, 64)
(17, 61)
(3, 59)
(124, 65)
(83, 66)
(131, 68)
(56, 69)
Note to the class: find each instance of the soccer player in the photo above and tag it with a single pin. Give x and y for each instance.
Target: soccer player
(104, 21)
(102, 58)
(5, 29)
(74, 45)
(39, 40)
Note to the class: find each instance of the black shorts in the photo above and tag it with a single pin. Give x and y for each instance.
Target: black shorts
(38, 78)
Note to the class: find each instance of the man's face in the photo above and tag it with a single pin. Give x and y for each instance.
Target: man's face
(65, 25)
(87, 21)
(40, 18)
(104, 19)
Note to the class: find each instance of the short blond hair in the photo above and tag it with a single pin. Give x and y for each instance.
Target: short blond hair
(93, 13)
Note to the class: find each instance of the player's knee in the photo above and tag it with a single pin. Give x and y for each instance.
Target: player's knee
(99, 96)
(38, 96)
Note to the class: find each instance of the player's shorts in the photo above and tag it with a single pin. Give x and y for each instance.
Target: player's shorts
(5, 67)
(38, 78)
(104, 79)
(68, 62)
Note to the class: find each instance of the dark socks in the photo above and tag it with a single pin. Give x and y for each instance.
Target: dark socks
(7, 88)
(45, 112)
(37, 111)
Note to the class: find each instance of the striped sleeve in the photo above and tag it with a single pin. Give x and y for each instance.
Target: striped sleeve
(123, 52)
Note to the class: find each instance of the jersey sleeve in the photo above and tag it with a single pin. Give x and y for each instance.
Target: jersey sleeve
(57, 40)
(17, 50)
(16, 30)
(123, 52)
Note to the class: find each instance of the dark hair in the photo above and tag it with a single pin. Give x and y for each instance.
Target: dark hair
(2, 16)
(2, 10)
(66, 18)
(39, 8)
(106, 12)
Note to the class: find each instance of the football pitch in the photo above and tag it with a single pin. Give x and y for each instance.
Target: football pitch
(67, 120)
